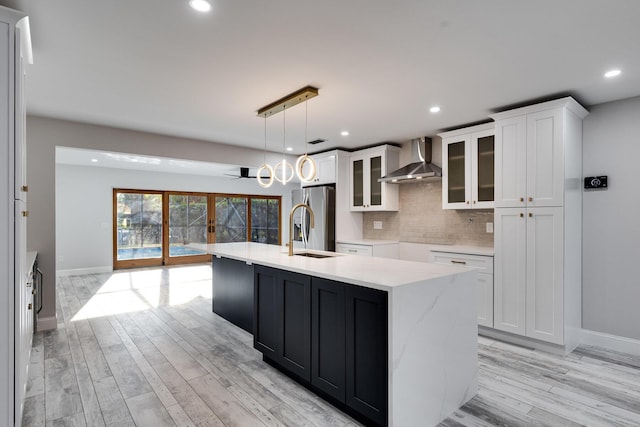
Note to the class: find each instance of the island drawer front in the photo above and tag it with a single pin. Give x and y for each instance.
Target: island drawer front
(346, 248)
(483, 262)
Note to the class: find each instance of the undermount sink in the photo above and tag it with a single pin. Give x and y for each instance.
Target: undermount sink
(314, 255)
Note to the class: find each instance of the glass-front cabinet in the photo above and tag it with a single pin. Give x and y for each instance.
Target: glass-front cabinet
(367, 166)
(468, 168)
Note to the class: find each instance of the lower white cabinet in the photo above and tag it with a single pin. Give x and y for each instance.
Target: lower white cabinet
(484, 264)
(382, 250)
(529, 275)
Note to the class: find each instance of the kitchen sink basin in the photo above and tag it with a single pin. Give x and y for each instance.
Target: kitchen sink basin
(314, 255)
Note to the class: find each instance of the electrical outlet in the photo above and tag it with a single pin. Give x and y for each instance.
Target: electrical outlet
(489, 227)
(377, 225)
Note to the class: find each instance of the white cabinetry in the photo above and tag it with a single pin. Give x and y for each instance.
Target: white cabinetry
(468, 168)
(325, 169)
(367, 166)
(484, 278)
(538, 222)
(382, 249)
(530, 159)
(16, 300)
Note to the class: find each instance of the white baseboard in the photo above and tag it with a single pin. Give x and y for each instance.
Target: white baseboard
(611, 342)
(80, 271)
(46, 323)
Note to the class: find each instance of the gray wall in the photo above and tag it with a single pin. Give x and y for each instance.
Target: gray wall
(611, 224)
(84, 236)
(44, 134)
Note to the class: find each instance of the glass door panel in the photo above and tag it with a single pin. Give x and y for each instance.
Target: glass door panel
(230, 219)
(358, 183)
(375, 187)
(485, 168)
(138, 229)
(187, 223)
(456, 172)
(265, 221)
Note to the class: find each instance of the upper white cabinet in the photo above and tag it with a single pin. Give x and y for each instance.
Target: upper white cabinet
(468, 168)
(538, 222)
(367, 166)
(530, 155)
(325, 169)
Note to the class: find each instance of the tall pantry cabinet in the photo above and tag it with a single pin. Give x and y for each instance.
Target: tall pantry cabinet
(16, 309)
(538, 221)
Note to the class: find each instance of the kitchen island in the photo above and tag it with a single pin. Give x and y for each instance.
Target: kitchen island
(428, 329)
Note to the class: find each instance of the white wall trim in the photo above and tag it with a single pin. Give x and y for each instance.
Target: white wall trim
(523, 341)
(81, 271)
(611, 342)
(47, 323)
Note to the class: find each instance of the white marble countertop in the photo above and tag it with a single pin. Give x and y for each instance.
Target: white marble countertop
(378, 273)
(31, 259)
(368, 242)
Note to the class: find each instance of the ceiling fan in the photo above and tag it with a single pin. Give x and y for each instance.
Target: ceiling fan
(244, 173)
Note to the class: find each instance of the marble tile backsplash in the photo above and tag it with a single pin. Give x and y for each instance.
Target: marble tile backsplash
(421, 219)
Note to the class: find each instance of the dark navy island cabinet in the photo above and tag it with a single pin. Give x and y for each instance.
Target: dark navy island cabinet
(329, 336)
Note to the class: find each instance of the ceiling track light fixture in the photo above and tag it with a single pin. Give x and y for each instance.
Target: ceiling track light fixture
(283, 172)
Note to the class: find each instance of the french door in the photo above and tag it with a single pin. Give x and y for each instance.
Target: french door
(153, 228)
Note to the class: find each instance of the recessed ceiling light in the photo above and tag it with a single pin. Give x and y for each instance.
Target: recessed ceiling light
(612, 73)
(289, 148)
(94, 160)
(344, 133)
(200, 5)
(434, 109)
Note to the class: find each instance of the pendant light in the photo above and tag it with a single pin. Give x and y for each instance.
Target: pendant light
(305, 159)
(283, 171)
(265, 166)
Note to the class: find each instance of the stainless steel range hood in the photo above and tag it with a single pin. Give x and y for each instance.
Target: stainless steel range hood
(420, 167)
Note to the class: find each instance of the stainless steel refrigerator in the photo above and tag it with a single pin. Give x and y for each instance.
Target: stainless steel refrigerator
(322, 201)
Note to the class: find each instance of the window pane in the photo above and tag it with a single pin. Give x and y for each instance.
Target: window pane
(264, 220)
(231, 219)
(187, 223)
(139, 225)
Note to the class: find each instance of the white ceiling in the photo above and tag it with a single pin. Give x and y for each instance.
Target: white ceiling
(159, 66)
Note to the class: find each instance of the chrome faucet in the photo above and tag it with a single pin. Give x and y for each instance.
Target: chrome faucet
(293, 209)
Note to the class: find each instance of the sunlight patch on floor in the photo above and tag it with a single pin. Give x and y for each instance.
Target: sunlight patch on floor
(135, 290)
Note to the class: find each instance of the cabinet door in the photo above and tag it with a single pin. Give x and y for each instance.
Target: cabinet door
(325, 170)
(510, 270)
(366, 351)
(456, 177)
(511, 162)
(357, 183)
(295, 351)
(376, 168)
(328, 337)
(545, 283)
(485, 299)
(20, 153)
(267, 309)
(482, 169)
(545, 163)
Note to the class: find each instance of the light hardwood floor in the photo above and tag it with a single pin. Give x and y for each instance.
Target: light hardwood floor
(142, 347)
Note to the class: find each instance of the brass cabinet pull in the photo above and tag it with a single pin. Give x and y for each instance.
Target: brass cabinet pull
(24, 188)
(522, 199)
(474, 202)
(467, 202)
(521, 215)
(458, 262)
(530, 215)
(25, 213)
(29, 306)
(531, 199)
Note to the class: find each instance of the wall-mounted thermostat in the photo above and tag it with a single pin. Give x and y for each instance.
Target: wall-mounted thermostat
(594, 182)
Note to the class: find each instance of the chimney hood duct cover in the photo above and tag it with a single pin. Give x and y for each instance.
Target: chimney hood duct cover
(420, 167)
